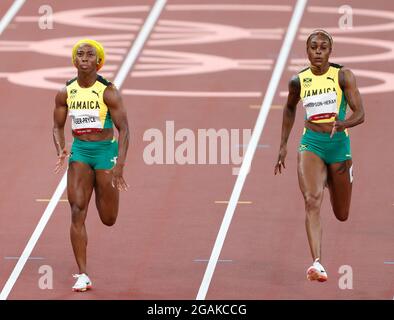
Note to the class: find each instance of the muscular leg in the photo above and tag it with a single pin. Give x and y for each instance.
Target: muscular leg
(340, 186)
(312, 174)
(80, 181)
(107, 197)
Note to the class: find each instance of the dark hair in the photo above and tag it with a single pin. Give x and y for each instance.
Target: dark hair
(320, 32)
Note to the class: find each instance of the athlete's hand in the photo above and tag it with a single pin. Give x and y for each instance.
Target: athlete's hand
(118, 181)
(60, 160)
(337, 126)
(281, 160)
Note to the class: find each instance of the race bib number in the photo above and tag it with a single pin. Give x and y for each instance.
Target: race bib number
(322, 106)
(85, 122)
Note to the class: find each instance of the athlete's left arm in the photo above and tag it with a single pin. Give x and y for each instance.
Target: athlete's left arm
(348, 84)
(113, 100)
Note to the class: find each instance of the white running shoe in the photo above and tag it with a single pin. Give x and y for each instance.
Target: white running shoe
(83, 283)
(316, 272)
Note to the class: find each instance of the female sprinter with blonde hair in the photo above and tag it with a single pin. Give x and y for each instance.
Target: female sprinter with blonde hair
(96, 159)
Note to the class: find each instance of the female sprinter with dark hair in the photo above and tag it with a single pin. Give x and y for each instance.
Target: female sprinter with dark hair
(324, 154)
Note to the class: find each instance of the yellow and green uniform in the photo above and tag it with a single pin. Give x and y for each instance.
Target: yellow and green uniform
(324, 101)
(87, 108)
(99, 155)
(90, 114)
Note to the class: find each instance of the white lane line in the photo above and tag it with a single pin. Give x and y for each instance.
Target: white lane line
(206, 260)
(30, 258)
(264, 110)
(5, 21)
(140, 40)
(274, 107)
(189, 94)
(33, 239)
(127, 64)
(239, 202)
(47, 200)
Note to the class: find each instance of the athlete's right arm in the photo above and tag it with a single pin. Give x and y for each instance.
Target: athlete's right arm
(59, 120)
(289, 113)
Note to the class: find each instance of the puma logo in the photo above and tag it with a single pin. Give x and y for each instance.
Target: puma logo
(332, 79)
(96, 93)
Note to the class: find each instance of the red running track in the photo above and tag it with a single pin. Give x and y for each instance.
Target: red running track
(215, 77)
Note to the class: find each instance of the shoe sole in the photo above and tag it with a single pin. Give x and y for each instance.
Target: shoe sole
(314, 274)
(82, 289)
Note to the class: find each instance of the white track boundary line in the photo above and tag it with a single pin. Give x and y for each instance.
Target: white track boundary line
(258, 129)
(121, 76)
(10, 14)
(139, 42)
